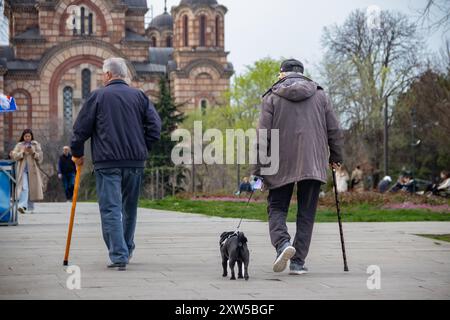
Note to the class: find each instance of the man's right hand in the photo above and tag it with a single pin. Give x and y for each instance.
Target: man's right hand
(59, 176)
(335, 165)
(78, 161)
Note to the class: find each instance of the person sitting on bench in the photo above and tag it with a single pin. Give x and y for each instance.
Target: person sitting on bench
(245, 186)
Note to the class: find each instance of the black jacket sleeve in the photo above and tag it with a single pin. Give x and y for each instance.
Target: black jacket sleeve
(84, 125)
(335, 134)
(152, 125)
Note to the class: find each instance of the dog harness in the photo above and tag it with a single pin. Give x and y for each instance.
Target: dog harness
(235, 234)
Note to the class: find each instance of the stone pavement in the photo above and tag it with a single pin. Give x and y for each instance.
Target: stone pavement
(177, 257)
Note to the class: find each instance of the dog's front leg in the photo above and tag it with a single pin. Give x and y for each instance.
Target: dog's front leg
(232, 263)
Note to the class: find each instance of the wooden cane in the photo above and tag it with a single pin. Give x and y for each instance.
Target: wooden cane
(72, 214)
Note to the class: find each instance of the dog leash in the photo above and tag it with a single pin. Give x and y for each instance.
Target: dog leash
(242, 217)
(236, 233)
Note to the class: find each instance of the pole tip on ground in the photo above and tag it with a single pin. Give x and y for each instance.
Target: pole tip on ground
(65, 263)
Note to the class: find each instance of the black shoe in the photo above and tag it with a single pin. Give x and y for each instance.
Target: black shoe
(120, 266)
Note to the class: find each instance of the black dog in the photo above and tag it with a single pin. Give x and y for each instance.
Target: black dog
(233, 247)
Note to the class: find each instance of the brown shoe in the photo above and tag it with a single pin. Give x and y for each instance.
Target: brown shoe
(22, 210)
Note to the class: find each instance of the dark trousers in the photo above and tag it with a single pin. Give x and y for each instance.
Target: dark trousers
(68, 180)
(118, 194)
(278, 207)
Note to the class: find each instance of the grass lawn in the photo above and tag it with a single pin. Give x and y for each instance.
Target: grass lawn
(441, 237)
(258, 211)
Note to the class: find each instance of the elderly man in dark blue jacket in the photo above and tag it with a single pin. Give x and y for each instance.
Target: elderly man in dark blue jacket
(122, 124)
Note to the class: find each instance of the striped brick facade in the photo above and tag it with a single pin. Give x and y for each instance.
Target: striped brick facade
(48, 59)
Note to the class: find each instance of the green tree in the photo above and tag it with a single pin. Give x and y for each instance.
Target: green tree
(241, 112)
(160, 156)
(429, 98)
(171, 119)
(244, 99)
(365, 67)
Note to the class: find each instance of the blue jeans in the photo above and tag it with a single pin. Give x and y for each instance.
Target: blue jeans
(68, 181)
(118, 194)
(23, 198)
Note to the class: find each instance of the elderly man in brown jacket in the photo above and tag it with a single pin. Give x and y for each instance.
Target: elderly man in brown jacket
(310, 139)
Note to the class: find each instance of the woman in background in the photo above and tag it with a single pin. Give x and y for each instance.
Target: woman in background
(28, 154)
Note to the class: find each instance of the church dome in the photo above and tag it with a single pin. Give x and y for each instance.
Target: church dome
(198, 2)
(163, 21)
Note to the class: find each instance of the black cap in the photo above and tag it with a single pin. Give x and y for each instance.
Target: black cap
(292, 65)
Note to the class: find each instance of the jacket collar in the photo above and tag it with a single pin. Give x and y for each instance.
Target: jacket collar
(291, 76)
(116, 81)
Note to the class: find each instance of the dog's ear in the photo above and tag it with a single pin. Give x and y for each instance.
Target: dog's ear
(222, 237)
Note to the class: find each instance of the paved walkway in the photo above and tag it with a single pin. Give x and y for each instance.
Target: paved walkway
(177, 257)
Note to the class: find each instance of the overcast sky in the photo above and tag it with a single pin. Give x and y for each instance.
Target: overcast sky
(292, 28)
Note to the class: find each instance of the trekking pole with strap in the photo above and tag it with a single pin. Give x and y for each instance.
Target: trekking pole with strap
(338, 209)
(72, 214)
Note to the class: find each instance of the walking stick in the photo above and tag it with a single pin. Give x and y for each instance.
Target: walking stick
(72, 214)
(338, 209)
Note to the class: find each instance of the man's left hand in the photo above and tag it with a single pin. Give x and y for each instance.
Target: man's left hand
(78, 161)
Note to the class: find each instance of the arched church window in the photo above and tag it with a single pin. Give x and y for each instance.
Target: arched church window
(203, 31)
(185, 31)
(74, 22)
(83, 18)
(85, 83)
(169, 42)
(203, 105)
(217, 31)
(90, 23)
(154, 42)
(83, 22)
(68, 108)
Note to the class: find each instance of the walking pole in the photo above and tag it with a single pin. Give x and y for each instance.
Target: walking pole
(338, 209)
(72, 214)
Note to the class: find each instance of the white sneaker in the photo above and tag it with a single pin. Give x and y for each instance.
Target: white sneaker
(280, 263)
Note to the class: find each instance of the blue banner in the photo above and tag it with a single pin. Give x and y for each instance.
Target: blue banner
(7, 104)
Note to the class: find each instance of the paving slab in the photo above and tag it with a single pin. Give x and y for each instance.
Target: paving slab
(177, 257)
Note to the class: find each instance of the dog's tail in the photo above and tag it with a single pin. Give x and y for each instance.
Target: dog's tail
(241, 240)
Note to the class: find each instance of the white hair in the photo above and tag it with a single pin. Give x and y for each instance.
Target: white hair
(117, 67)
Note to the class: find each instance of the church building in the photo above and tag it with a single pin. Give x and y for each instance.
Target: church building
(57, 47)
